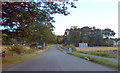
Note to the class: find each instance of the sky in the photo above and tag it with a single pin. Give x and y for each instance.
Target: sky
(99, 13)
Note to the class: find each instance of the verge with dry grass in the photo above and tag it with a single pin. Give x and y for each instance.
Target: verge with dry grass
(23, 57)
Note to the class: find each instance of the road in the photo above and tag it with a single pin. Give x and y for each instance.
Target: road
(54, 60)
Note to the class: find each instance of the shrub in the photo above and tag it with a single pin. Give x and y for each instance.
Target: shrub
(71, 46)
(11, 41)
(34, 44)
(17, 48)
(107, 43)
(6, 40)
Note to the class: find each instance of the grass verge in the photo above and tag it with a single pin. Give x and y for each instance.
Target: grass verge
(64, 48)
(59, 49)
(23, 57)
(97, 60)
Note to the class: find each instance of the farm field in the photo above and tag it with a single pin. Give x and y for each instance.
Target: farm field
(110, 52)
(96, 48)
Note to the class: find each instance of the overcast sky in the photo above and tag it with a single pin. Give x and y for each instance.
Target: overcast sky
(99, 13)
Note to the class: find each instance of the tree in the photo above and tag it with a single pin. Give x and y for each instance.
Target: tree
(108, 33)
(85, 31)
(96, 37)
(92, 36)
(59, 39)
(74, 37)
(23, 14)
(7, 40)
(27, 19)
(42, 34)
(65, 36)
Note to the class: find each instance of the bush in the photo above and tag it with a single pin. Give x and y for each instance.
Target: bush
(34, 44)
(7, 40)
(71, 46)
(17, 48)
(107, 43)
(11, 41)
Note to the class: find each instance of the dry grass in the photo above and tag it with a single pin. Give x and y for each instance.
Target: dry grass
(97, 49)
(9, 53)
(12, 53)
(23, 57)
(110, 52)
(5, 47)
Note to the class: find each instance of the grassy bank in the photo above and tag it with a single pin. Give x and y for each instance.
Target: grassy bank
(23, 57)
(97, 60)
(59, 49)
(64, 48)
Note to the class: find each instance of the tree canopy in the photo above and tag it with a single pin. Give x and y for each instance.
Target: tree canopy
(32, 20)
(93, 36)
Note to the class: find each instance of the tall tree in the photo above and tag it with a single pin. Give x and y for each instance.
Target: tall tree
(108, 33)
(74, 37)
(23, 14)
(21, 18)
(96, 37)
(85, 31)
(92, 36)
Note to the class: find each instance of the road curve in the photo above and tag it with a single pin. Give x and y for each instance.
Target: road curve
(54, 60)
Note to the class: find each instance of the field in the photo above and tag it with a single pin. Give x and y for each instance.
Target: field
(110, 52)
(97, 49)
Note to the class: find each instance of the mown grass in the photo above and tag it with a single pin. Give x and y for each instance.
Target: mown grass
(59, 49)
(23, 57)
(97, 60)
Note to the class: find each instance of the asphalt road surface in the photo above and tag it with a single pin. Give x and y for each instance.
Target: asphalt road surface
(54, 60)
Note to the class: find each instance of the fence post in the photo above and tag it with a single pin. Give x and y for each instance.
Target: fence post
(70, 49)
